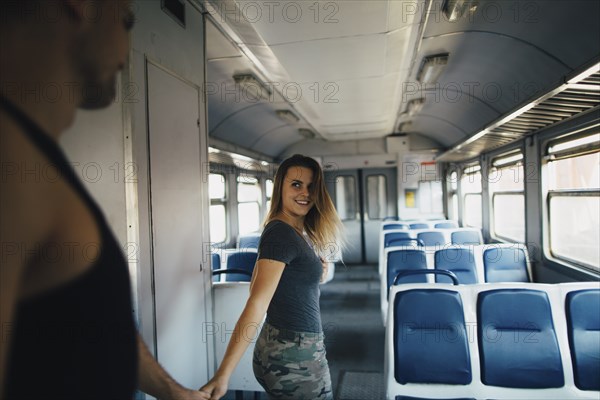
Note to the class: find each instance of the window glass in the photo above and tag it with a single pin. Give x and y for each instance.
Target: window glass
(216, 186)
(345, 197)
(509, 216)
(574, 173)
(470, 184)
(217, 213)
(269, 188)
(218, 223)
(472, 210)
(453, 207)
(269, 194)
(573, 188)
(248, 195)
(376, 196)
(248, 217)
(574, 229)
(506, 184)
(248, 189)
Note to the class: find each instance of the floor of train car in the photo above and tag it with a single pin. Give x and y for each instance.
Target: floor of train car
(354, 334)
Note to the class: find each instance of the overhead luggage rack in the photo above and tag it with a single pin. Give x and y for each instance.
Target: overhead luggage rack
(569, 99)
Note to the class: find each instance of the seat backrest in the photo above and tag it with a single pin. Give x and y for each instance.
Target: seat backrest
(583, 319)
(405, 242)
(419, 225)
(394, 226)
(430, 338)
(215, 262)
(388, 237)
(403, 260)
(505, 264)
(249, 241)
(461, 261)
(432, 238)
(446, 225)
(465, 237)
(517, 342)
(241, 260)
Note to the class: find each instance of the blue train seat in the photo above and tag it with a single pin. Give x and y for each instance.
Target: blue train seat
(461, 261)
(249, 241)
(403, 260)
(405, 242)
(465, 237)
(505, 264)
(215, 262)
(432, 238)
(394, 226)
(446, 225)
(430, 338)
(583, 320)
(517, 342)
(241, 260)
(419, 225)
(389, 237)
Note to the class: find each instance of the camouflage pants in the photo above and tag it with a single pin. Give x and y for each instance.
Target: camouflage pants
(292, 365)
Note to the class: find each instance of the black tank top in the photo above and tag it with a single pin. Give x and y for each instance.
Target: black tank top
(76, 341)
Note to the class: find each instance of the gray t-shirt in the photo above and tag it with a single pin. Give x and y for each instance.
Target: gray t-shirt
(295, 304)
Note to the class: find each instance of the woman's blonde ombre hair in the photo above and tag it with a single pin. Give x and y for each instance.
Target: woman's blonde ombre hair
(322, 224)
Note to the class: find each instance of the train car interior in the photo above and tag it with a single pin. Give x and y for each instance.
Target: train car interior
(460, 141)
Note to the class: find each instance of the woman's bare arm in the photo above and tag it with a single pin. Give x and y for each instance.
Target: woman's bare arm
(265, 279)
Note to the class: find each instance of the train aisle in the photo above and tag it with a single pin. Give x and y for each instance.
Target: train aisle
(354, 332)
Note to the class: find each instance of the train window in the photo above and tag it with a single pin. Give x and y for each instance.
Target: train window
(218, 218)
(376, 197)
(345, 197)
(431, 197)
(508, 198)
(269, 192)
(470, 184)
(452, 186)
(573, 199)
(248, 196)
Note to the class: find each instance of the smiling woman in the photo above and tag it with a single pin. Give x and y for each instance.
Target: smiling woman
(285, 284)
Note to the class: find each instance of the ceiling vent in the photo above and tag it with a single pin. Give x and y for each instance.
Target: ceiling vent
(252, 86)
(577, 95)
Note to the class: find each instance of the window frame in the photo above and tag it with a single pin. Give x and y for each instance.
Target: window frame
(498, 165)
(547, 194)
(468, 170)
(244, 174)
(220, 202)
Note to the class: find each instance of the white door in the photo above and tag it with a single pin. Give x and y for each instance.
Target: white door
(176, 217)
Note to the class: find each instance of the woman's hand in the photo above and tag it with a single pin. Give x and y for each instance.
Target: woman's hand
(216, 387)
(192, 395)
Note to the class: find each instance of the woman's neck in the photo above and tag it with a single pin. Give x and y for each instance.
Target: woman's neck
(295, 222)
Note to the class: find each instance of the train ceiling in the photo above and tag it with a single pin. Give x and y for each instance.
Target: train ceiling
(285, 71)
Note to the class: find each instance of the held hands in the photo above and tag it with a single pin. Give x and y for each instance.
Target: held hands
(215, 388)
(194, 395)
